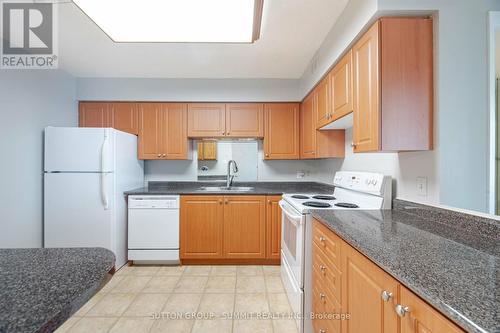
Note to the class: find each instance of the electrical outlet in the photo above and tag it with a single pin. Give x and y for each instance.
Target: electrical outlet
(300, 174)
(422, 186)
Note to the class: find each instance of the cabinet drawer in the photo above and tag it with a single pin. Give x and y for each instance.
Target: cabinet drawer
(328, 242)
(326, 273)
(326, 310)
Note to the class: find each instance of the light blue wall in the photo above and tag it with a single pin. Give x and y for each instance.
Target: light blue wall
(192, 90)
(29, 101)
(461, 97)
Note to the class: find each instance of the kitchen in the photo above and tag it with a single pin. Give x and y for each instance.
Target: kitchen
(175, 185)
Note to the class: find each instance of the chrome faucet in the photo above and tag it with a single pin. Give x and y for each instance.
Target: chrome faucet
(230, 177)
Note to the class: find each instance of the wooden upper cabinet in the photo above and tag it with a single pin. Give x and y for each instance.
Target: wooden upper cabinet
(308, 127)
(125, 117)
(366, 126)
(245, 120)
(273, 227)
(93, 114)
(316, 143)
(281, 139)
(393, 86)
(245, 227)
(206, 120)
(201, 227)
(323, 105)
(163, 131)
(150, 131)
(406, 67)
(363, 285)
(422, 318)
(175, 143)
(340, 79)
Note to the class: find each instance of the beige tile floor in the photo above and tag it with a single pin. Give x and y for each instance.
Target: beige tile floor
(194, 299)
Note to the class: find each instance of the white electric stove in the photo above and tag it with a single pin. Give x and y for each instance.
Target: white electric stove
(353, 190)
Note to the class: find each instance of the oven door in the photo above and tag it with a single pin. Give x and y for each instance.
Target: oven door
(292, 241)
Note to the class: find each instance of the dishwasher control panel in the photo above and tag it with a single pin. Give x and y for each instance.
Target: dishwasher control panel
(153, 202)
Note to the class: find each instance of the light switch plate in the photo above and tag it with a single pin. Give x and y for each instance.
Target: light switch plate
(422, 186)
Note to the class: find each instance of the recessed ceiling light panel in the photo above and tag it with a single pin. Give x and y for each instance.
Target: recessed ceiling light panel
(176, 21)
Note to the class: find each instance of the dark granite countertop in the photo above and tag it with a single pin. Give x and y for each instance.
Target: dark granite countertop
(41, 288)
(449, 259)
(259, 188)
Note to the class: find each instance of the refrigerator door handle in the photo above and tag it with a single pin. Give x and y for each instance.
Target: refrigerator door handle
(104, 190)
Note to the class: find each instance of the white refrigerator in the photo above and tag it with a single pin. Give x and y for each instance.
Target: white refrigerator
(86, 171)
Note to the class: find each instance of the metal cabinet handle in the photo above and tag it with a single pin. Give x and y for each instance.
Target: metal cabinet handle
(223, 133)
(164, 155)
(322, 239)
(159, 155)
(267, 155)
(227, 201)
(321, 331)
(220, 201)
(269, 202)
(386, 295)
(322, 296)
(322, 268)
(402, 310)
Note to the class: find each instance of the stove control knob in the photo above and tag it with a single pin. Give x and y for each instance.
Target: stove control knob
(374, 182)
(367, 181)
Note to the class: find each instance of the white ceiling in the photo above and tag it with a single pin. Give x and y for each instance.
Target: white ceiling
(292, 31)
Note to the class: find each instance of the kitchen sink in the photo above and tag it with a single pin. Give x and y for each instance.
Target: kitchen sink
(224, 188)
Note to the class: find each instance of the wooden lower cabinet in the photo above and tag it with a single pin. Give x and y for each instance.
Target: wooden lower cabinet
(422, 318)
(273, 227)
(244, 227)
(361, 289)
(231, 228)
(363, 284)
(201, 227)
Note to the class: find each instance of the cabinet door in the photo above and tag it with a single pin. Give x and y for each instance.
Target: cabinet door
(91, 114)
(366, 129)
(308, 127)
(244, 227)
(206, 120)
(150, 136)
(323, 105)
(422, 318)
(245, 120)
(201, 227)
(281, 139)
(273, 227)
(341, 87)
(175, 143)
(362, 288)
(125, 117)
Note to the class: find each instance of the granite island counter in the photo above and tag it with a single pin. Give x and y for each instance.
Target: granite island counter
(41, 288)
(449, 259)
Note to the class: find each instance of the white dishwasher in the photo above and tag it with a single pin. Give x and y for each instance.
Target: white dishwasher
(153, 228)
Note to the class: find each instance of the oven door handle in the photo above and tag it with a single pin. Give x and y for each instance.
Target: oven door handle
(294, 218)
